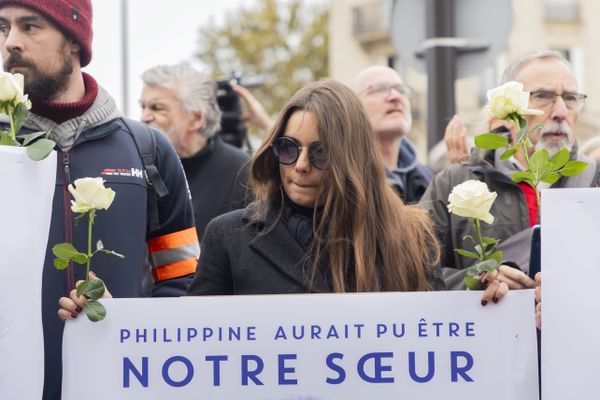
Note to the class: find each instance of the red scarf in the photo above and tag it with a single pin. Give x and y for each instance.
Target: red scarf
(61, 112)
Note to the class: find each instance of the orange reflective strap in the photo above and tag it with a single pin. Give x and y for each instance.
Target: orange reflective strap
(173, 240)
(175, 270)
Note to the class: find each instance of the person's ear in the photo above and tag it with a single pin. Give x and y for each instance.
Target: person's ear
(196, 121)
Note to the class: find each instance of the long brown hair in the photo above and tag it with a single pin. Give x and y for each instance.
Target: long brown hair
(364, 226)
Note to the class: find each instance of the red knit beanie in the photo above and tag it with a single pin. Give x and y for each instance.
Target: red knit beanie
(72, 17)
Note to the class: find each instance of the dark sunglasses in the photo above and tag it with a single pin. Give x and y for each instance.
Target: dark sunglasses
(287, 150)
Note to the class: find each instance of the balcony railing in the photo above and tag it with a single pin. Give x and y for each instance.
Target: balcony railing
(561, 11)
(371, 21)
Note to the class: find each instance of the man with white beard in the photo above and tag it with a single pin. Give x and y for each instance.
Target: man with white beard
(553, 89)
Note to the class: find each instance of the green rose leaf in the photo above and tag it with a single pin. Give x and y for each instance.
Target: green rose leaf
(497, 256)
(61, 264)
(490, 141)
(560, 158)
(40, 149)
(466, 253)
(488, 265)
(489, 240)
(538, 160)
(19, 116)
(82, 287)
(95, 311)
(550, 178)
(64, 251)
(80, 258)
(472, 271)
(31, 137)
(523, 176)
(95, 289)
(573, 168)
(472, 283)
(508, 154)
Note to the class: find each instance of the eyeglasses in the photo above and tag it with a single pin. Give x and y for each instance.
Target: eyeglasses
(384, 89)
(287, 150)
(545, 98)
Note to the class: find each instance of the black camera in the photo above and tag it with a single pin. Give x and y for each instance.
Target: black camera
(233, 130)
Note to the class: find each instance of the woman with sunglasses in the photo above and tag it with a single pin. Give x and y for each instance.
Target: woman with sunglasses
(325, 218)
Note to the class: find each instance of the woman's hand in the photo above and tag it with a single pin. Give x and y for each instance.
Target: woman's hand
(72, 306)
(513, 277)
(494, 292)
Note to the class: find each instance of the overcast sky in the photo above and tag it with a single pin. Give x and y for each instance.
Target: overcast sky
(160, 32)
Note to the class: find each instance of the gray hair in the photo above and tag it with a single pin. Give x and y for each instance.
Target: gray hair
(514, 67)
(196, 91)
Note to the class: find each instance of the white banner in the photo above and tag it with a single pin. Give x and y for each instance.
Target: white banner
(571, 308)
(27, 189)
(354, 346)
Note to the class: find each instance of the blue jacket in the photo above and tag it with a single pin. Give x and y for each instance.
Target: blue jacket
(104, 148)
(409, 178)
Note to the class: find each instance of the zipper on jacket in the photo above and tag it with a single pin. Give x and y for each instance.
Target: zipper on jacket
(67, 169)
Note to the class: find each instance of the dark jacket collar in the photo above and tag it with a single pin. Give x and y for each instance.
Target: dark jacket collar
(277, 246)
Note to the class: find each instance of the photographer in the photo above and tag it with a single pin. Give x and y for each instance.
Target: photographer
(182, 103)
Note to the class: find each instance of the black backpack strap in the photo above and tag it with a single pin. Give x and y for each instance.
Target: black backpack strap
(145, 141)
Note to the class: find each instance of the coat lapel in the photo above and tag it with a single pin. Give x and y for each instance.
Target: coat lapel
(280, 249)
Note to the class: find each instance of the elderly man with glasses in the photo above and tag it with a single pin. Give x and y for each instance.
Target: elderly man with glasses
(387, 102)
(553, 89)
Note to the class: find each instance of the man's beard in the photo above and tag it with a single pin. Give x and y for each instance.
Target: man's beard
(39, 85)
(554, 145)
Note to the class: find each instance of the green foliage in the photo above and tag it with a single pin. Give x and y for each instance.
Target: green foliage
(285, 42)
(40, 149)
(573, 168)
(95, 311)
(19, 116)
(490, 141)
(485, 251)
(91, 289)
(7, 140)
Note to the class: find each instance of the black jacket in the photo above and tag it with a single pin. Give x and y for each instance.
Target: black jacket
(217, 176)
(235, 259)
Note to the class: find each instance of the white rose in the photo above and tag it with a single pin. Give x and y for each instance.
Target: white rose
(472, 199)
(509, 99)
(90, 193)
(11, 89)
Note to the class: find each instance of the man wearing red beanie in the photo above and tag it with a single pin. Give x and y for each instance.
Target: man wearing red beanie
(49, 41)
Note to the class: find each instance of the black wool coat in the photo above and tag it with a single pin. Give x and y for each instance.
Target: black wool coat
(236, 259)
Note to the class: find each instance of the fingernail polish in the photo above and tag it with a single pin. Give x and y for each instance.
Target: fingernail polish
(78, 310)
(74, 315)
(495, 300)
(485, 282)
(484, 302)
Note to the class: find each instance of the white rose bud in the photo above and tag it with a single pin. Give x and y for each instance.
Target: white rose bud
(509, 99)
(90, 193)
(472, 199)
(11, 89)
